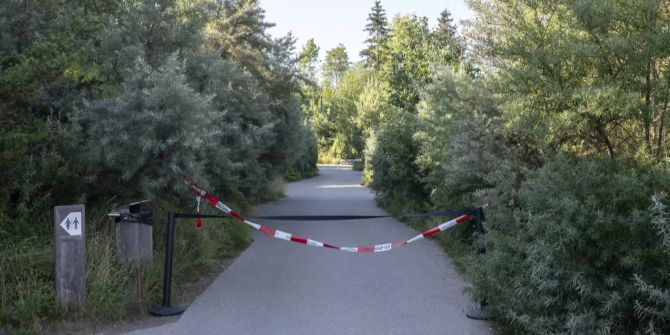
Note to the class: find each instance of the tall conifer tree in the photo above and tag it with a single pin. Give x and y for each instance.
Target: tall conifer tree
(377, 29)
(449, 46)
(238, 30)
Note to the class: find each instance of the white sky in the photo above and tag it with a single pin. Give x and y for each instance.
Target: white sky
(331, 22)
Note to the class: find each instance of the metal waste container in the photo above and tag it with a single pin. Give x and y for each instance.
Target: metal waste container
(134, 242)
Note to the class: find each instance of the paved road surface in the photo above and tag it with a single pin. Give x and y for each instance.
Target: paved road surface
(277, 287)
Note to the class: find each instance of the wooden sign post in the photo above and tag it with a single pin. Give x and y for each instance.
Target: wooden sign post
(70, 270)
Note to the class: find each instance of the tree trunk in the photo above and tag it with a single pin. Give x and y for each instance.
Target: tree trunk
(661, 127)
(646, 117)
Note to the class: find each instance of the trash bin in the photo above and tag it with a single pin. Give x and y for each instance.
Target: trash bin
(134, 242)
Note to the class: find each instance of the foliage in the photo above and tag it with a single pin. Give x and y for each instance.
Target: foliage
(397, 184)
(378, 31)
(238, 32)
(104, 100)
(554, 113)
(408, 64)
(585, 76)
(373, 105)
(448, 48)
(27, 299)
(347, 142)
(462, 152)
(335, 65)
(568, 257)
(157, 118)
(308, 60)
(653, 302)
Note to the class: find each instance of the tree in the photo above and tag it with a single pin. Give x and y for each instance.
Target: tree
(583, 76)
(99, 100)
(335, 64)
(348, 141)
(282, 87)
(447, 45)
(156, 116)
(238, 31)
(373, 106)
(151, 30)
(407, 65)
(377, 29)
(308, 59)
(245, 123)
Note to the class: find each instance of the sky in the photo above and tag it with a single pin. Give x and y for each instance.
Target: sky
(331, 22)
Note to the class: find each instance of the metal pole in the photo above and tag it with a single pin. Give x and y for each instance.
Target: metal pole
(169, 252)
(166, 309)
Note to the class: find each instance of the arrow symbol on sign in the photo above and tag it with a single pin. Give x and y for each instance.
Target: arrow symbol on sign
(71, 223)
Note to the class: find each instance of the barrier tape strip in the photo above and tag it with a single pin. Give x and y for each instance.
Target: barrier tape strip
(272, 232)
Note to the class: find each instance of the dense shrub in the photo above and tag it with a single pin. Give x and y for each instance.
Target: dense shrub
(158, 120)
(106, 100)
(397, 180)
(568, 258)
(462, 149)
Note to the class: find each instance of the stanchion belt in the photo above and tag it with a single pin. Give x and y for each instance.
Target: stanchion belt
(307, 241)
(451, 214)
(320, 217)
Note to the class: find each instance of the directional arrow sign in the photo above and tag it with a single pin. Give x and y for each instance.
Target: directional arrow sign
(72, 223)
(70, 260)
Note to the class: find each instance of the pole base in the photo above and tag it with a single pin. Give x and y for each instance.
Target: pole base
(160, 310)
(478, 314)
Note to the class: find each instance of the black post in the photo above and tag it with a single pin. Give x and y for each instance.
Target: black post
(166, 309)
(479, 313)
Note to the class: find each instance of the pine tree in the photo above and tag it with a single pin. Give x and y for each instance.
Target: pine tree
(308, 59)
(377, 29)
(448, 45)
(238, 32)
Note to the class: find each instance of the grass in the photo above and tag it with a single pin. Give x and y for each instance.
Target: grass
(458, 242)
(26, 281)
(27, 296)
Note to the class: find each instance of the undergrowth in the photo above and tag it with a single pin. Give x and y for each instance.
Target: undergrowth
(27, 297)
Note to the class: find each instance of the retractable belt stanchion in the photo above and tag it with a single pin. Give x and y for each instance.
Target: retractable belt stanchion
(457, 216)
(167, 309)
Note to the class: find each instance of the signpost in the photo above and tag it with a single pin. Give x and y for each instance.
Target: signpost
(70, 253)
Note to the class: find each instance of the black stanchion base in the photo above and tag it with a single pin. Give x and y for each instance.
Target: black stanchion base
(478, 314)
(160, 310)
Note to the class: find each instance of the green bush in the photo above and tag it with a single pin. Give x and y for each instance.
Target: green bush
(570, 256)
(396, 181)
(157, 121)
(100, 102)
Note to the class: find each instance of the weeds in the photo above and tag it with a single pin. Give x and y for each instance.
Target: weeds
(27, 297)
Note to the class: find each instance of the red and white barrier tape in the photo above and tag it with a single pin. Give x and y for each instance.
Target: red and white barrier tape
(304, 240)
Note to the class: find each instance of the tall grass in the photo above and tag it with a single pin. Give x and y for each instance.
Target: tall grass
(27, 296)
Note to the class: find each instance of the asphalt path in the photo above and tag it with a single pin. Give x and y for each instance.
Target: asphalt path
(278, 287)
